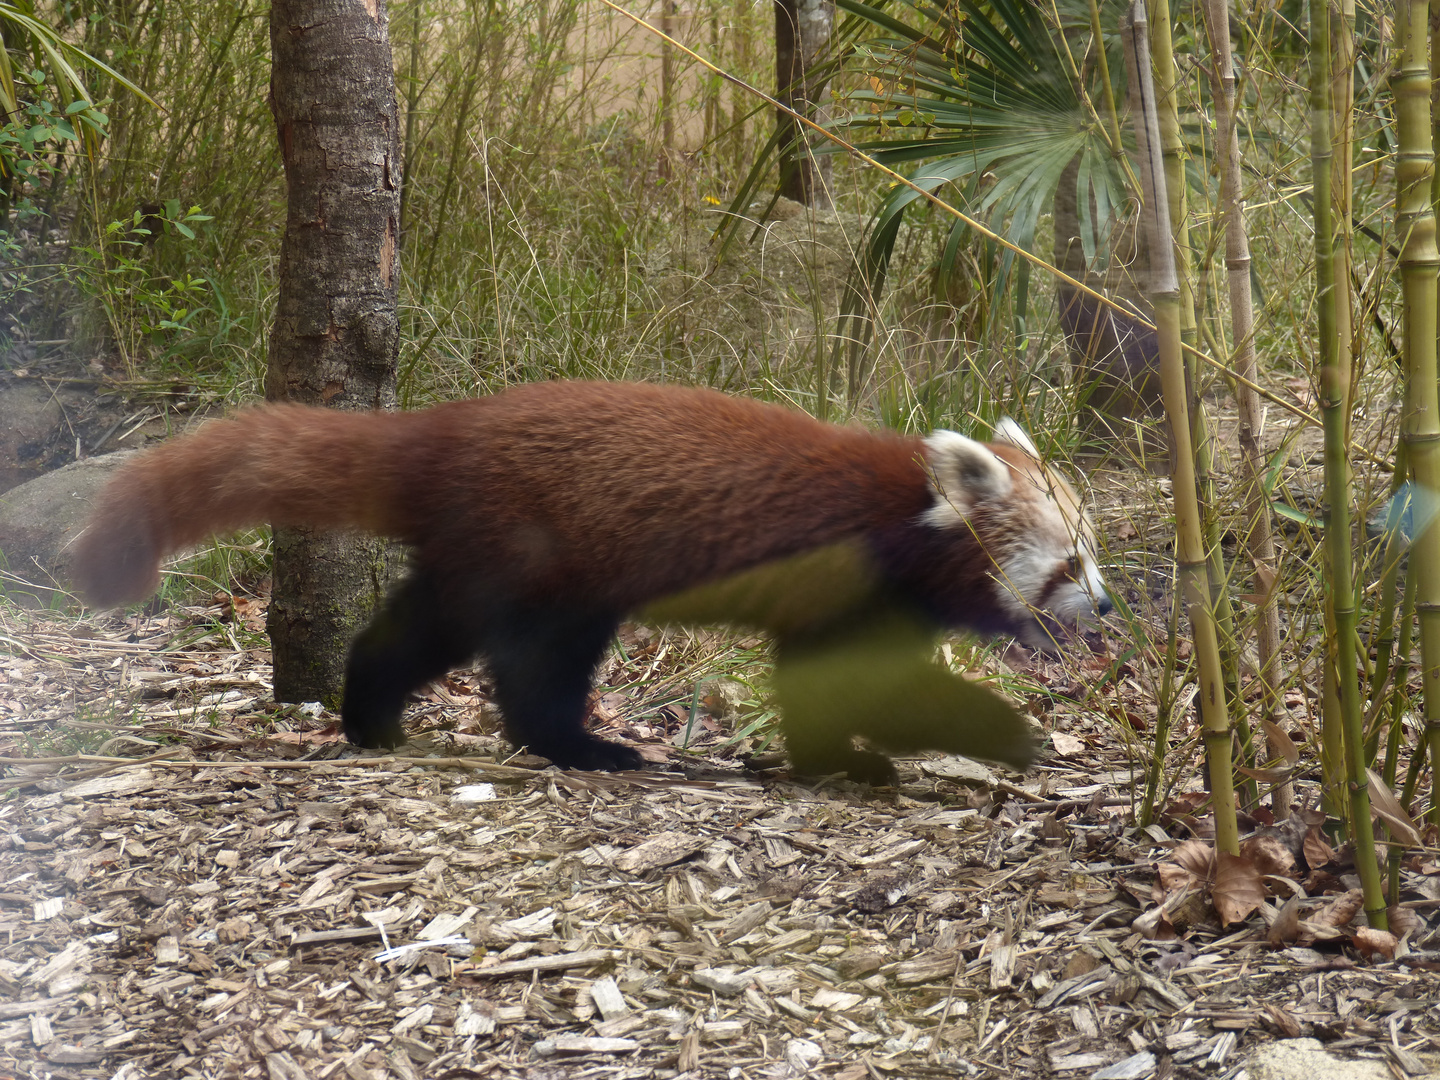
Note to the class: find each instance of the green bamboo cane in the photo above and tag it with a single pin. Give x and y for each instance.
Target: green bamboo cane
(1189, 543)
(1107, 92)
(1420, 428)
(1422, 424)
(1334, 410)
(1172, 145)
(1258, 531)
(1399, 700)
(1172, 142)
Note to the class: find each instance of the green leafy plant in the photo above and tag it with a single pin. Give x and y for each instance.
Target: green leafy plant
(35, 132)
(140, 303)
(46, 103)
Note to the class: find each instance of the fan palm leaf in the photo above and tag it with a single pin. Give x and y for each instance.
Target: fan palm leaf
(986, 100)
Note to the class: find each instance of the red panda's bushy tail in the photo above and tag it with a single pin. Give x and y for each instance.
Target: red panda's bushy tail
(286, 464)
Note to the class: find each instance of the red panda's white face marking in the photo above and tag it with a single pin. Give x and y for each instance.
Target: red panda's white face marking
(1031, 524)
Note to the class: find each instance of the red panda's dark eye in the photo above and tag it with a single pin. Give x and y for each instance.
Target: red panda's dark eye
(1072, 566)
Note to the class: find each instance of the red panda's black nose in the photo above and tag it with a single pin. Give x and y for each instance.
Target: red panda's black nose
(1103, 605)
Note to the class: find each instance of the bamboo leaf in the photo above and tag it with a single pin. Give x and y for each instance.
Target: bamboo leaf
(1300, 517)
(1387, 808)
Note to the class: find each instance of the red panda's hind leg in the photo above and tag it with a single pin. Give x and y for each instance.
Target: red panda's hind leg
(543, 663)
(415, 637)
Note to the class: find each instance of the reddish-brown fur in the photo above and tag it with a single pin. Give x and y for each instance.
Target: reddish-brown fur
(641, 490)
(541, 516)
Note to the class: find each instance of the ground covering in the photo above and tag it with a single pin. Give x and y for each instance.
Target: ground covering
(218, 887)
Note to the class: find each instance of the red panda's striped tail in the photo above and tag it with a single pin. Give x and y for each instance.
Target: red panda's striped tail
(285, 464)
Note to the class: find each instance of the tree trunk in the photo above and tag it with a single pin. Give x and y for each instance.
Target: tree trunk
(332, 90)
(802, 33)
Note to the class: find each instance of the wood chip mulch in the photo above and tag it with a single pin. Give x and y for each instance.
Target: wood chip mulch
(194, 883)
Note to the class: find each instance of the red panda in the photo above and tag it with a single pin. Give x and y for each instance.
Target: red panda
(542, 516)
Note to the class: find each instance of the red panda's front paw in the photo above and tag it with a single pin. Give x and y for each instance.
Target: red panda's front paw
(597, 755)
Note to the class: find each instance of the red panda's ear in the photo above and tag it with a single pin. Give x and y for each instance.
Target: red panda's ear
(964, 473)
(1007, 430)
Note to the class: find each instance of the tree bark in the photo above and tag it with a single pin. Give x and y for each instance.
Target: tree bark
(336, 334)
(802, 33)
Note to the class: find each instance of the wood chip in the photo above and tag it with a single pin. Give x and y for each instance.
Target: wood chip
(724, 982)
(641, 923)
(608, 999)
(542, 964)
(582, 1044)
(664, 850)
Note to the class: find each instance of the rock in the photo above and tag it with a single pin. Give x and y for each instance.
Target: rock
(32, 414)
(1307, 1059)
(40, 518)
(802, 1055)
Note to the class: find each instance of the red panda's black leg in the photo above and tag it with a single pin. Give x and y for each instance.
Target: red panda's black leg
(415, 637)
(543, 663)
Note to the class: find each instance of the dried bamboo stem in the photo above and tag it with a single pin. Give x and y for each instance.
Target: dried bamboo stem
(1165, 296)
(1258, 532)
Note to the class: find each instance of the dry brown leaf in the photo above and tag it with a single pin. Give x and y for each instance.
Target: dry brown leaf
(1402, 920)
(1265, 579)
(1339, 911)
(1197, 857)
(1283, 1023)
(1171, 879)
(1387, 808)
(1066, 745)
(1313, 932)
(1187, 802)
(1238, 890)
(1317, 849)
(1269, 856)
(1081, 962)
(1155, 925)
(1286, 926)
(1371, 942)
(1279, 741)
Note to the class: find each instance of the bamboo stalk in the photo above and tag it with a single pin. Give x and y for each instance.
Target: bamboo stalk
(1389, 664)
(1191, 563)
(1334, 380)
(1415, 226)
(1176, 188)
(1258, 532)
(1398, 698)
(1172, 146)
(1107, 91)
